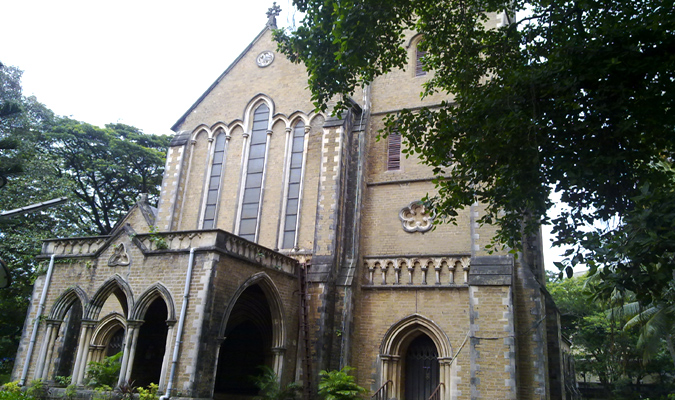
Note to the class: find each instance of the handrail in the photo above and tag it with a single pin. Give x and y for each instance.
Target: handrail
(436, 395)
(382, 393)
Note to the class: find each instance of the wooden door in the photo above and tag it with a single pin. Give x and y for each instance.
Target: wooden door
(421, 369)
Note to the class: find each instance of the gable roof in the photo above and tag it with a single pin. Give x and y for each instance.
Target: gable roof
(220, 78)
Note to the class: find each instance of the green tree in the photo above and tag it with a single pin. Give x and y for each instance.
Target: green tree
(49, 157)
(574, 97)
(603, 345)
(655, 324)
(107, 168)
(20, 120)
(26, 179)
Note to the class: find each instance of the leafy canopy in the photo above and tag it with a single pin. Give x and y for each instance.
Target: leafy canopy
(603, 346)
(101, 170)
(107, 168)
(575, 98)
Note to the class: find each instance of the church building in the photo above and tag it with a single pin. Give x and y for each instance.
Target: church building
(290, 238)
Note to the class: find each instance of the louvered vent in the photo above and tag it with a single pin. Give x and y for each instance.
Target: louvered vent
(393, 152)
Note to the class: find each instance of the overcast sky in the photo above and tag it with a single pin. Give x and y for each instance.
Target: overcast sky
(143, 63)
(139, 62)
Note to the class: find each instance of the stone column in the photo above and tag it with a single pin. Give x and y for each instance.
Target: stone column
(166, 361)
(86, 331)
(129, 350)
(445, 364)
(396, 376)
(385, 368)
(46, 348)
(54, 327)
(278, 360)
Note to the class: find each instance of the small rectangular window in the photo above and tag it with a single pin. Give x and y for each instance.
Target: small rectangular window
(251, 196)
(247, 226)
(254, 180)
(289, 239)
(249, 210)
(210, 212)
(257, 151)
(393, 152)
(292, 207)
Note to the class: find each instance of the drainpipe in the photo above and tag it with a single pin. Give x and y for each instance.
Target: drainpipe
(36, 325)
(181, 322)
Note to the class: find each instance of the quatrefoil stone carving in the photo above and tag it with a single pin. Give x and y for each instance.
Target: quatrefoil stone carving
(416, 218)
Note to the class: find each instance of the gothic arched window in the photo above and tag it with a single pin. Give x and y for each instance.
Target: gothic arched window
(213, 191)
(253, 179)
(295, 163)
(419, 64)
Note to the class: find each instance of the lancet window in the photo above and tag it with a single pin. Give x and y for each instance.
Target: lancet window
(294, 186)
(419, 64)
(255, 169)
(214, 182)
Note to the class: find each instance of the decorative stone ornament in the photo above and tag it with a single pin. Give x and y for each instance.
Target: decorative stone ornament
(416, 218)
(119, 256)
(264, 59)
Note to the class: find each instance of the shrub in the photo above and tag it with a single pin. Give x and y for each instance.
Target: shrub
(38, 389)
(103, 392)
(148, 394)
(70, 392)
(339, 385)
(11, 387)
(104, 373)
(62, 380)
(125, 391)
(270, 389)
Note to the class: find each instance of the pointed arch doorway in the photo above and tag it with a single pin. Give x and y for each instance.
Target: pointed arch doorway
(416, 357)
(252, 337)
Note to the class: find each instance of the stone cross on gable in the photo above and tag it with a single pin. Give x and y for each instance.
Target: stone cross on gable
(272, 14)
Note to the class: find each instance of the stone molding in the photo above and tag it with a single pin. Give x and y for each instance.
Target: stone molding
(417, 270)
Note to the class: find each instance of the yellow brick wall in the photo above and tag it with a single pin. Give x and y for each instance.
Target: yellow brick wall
(282, 81)
(378, 310)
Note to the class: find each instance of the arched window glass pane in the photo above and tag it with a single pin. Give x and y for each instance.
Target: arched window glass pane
(294, 182)
(214, 180)
(254, 174)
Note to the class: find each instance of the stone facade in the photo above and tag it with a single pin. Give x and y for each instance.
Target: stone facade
(275, 220)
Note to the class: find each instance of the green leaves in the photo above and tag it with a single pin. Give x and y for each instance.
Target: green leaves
(270, 388)
(107, 168)
(339, 385)
(575, 98)
(104, 373)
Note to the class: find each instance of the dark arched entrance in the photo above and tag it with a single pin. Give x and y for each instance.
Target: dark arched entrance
(150, 347)
(421, 368)
(247, 345)
(116, 343)
(68, 350)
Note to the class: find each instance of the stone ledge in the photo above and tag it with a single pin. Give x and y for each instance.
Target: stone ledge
(491, 271)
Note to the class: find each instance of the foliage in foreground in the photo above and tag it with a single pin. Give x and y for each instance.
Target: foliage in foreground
(149, 393)
(602, 348)
(579, 102)
(270, 388)
(339, 385)
(104, 373)
(42, 157)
